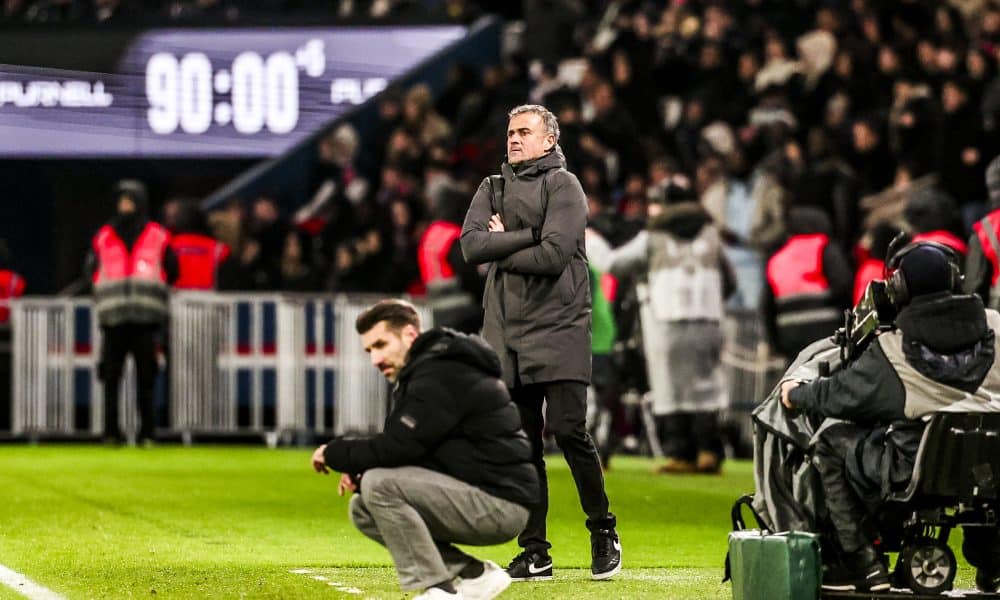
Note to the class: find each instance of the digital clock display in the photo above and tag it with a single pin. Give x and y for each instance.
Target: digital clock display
(197, 93)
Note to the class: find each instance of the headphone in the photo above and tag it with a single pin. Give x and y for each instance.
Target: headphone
(896, 284)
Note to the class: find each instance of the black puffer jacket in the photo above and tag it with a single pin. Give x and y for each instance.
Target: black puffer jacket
(452, 414)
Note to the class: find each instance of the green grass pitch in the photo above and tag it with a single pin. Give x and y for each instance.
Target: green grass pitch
(209, 522)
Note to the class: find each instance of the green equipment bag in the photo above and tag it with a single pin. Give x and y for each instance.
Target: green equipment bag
(772, 566)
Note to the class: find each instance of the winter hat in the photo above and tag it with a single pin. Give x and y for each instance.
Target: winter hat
(136, 190)
(993, 182)
(926, 270)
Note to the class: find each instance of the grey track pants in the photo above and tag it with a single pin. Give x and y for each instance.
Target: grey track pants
(418, 514)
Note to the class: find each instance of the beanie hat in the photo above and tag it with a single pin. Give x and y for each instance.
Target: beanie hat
(926, 270)
(135, 190)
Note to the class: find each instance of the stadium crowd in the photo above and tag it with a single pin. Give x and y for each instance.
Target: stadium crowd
(819, 127)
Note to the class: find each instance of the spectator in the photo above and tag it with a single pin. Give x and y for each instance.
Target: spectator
(297, 271)
(199, 256)
(931, 215)
(420, 120)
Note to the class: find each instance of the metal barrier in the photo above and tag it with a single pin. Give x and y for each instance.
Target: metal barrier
(271, 364)
(751, 371)
(54, 375)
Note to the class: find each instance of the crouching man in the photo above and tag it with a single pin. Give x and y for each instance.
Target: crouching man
(452, 465)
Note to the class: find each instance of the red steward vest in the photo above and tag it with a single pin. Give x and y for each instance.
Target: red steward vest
(130, 286)
(432, 253)
(801, 291)
(797, 268)
(869, 270)
(198, 260)
(983, 227)
(944, 237)
(11, 286)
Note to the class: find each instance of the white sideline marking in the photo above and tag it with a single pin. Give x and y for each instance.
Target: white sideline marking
(26, 587)
(340, 587)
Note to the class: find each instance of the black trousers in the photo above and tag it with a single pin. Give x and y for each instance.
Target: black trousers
(565, 417)
(117, 343)
(849, 495)
(685, 434)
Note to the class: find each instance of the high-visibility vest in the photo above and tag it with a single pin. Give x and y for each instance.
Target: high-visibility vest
(11, 286)
(869, 270)
(987, 230)
(198, 260)
(432, 254)
(944, 237)
(801, 292)
(131, 286)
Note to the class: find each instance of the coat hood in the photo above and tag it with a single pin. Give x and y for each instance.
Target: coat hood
(946, 338)
(547, 162)
(136, 190)
(447, 344)
(684, 220)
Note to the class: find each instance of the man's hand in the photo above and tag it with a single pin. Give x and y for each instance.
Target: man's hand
(496, 224)
(319, 461)
(346, 485)
(786, 389)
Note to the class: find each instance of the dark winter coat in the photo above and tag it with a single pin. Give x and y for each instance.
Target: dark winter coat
(537, 299)
(452, 414)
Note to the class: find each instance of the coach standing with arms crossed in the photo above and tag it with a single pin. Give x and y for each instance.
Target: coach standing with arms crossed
(529, 223)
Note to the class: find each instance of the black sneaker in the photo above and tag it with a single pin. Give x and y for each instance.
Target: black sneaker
(530, 565)
(605, 554)
(987, 581)
(863, 572)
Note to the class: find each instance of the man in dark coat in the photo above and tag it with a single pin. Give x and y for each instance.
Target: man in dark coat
(940, 357)
(452, 465)
(529, 224)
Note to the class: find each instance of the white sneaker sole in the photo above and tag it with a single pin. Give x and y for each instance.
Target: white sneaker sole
(608, 574)
(487, 592)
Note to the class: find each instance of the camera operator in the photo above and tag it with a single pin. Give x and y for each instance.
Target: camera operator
(938, 357)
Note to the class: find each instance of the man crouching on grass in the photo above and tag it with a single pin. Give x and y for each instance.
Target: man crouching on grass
(452, 466)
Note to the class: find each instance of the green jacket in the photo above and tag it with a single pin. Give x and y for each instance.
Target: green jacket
(602, 339)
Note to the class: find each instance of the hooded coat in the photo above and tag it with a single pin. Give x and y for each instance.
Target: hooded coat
(537, 299)
(452, 415)
(685, 279)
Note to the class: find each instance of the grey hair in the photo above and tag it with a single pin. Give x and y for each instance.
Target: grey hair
(550, 120)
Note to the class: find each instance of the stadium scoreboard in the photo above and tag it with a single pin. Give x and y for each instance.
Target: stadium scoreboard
(230, 93)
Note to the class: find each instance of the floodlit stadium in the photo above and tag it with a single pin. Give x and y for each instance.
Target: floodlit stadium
(456, 299)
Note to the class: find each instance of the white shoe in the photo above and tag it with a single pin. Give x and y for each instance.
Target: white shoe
(487, 586)
(439, 594)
